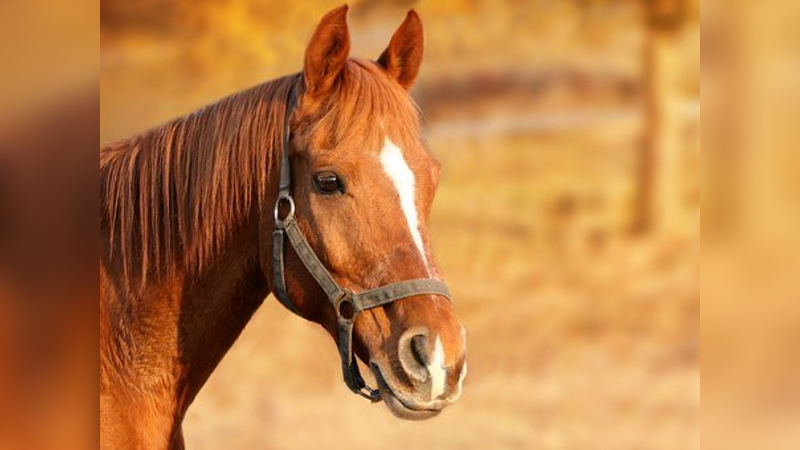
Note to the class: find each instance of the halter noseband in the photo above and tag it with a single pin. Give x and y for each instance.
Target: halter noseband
(346, 304)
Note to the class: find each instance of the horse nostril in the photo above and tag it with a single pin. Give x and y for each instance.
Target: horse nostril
(415, 354)
(420, 349)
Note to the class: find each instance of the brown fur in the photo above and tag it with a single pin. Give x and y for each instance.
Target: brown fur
(186, 223)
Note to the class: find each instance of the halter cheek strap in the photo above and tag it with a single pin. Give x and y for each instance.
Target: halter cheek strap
(348, 305)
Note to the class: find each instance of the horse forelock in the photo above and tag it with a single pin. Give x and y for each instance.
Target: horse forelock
(366, 106)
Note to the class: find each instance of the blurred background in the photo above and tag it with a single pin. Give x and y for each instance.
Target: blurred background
(49, 123)
(567, 221)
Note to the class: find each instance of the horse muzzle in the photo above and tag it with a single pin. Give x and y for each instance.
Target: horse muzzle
(422, 385)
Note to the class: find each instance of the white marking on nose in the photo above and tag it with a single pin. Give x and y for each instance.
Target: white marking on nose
(394, 164)
(437, 370)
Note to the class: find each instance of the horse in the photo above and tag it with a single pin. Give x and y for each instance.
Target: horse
(316, 187)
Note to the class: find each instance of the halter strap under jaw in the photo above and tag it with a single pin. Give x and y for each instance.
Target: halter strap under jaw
(347, 305)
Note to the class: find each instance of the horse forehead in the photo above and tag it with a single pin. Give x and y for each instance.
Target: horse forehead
(412, 149)
(364, 151)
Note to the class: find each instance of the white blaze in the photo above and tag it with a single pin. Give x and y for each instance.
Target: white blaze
(394, 164)
(437, 370)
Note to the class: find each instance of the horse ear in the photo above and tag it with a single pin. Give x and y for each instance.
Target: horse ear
(404, 55)
(327, 52)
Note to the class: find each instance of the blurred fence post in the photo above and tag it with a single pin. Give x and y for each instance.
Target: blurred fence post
(659, 177)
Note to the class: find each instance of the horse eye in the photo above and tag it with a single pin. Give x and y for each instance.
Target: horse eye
(328, 182)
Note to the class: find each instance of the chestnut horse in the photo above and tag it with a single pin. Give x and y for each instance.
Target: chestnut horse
(187, 245)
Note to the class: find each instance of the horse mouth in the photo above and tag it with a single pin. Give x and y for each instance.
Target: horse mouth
(399, 405)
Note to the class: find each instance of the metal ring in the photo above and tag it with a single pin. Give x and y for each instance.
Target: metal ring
(346, 309)
(275, 212)
(373, 395)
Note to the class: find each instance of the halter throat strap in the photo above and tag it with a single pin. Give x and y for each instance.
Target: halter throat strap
(348, 305)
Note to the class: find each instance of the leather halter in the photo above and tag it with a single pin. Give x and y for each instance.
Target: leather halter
(347, 304)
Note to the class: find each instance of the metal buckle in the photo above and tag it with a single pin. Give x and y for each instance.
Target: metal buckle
(345, 308)
(373, 395)
(283, 196)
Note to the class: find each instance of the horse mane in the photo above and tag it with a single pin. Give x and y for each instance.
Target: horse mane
(172, 197)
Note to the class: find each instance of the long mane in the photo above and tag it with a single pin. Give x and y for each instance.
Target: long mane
(172, 196)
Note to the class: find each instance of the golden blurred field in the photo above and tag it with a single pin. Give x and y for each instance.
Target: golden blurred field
(583, 334)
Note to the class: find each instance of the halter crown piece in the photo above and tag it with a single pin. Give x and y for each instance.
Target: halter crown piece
(346, 304)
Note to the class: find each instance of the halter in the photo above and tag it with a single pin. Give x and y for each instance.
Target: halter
(348, 305)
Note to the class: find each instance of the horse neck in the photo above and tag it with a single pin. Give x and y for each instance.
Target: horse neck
(159, 345)
(158, 348)
(166, 340)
